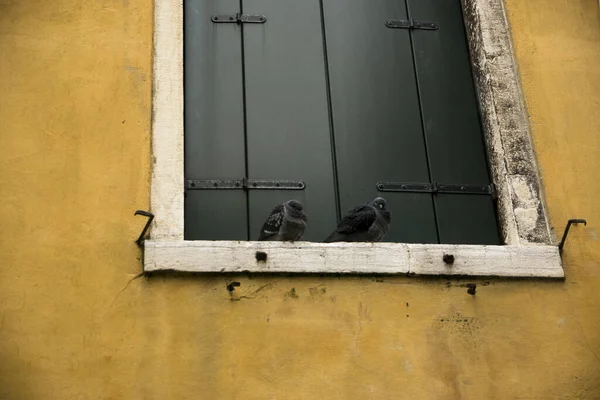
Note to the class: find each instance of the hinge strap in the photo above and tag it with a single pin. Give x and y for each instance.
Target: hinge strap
(239, 19)
(410, 24)
(244, 184)
(436, 187)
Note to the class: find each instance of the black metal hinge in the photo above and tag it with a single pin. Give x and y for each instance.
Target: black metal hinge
(436, 187)
(239, 19)
(410, 24)
(244, 184)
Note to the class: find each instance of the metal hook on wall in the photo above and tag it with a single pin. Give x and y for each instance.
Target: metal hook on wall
(571, 221)
(150, 216)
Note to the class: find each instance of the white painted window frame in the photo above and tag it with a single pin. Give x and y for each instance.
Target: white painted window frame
(529, 250)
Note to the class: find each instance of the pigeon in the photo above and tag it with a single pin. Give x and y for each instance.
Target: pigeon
(365, 223)
(286, 222)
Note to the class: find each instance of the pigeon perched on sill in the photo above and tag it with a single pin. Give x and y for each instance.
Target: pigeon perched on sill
(365, 223)
(287, 222)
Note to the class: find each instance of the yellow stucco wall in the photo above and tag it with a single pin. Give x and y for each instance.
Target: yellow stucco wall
(75, 87)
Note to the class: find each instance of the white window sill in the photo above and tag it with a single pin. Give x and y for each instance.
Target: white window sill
(352, 258)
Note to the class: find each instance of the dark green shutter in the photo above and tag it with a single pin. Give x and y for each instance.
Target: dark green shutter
(283, 133)
(326, 93)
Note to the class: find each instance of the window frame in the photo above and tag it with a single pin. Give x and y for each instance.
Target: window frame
(529, 246)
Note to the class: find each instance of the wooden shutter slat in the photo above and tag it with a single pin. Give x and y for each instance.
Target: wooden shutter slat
(214, 124)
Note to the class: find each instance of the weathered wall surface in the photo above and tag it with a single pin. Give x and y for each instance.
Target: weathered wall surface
(75, 86)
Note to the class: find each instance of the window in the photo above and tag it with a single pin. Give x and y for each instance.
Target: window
(307, 129)
(333, 97)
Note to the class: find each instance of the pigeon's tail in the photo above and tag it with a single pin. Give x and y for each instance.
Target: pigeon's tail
(335, 237)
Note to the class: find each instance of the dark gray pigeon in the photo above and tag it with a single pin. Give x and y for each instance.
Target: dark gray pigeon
(365, 223)
(286, 222)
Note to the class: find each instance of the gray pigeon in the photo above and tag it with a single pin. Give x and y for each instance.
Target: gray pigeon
(365, 223)
(286, 222)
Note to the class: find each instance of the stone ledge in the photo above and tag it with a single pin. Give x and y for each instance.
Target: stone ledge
(352, 258)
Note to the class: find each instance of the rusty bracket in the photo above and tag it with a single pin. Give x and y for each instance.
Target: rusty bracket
(571, 221)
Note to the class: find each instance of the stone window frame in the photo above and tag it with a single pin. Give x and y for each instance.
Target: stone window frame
(529, 248)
